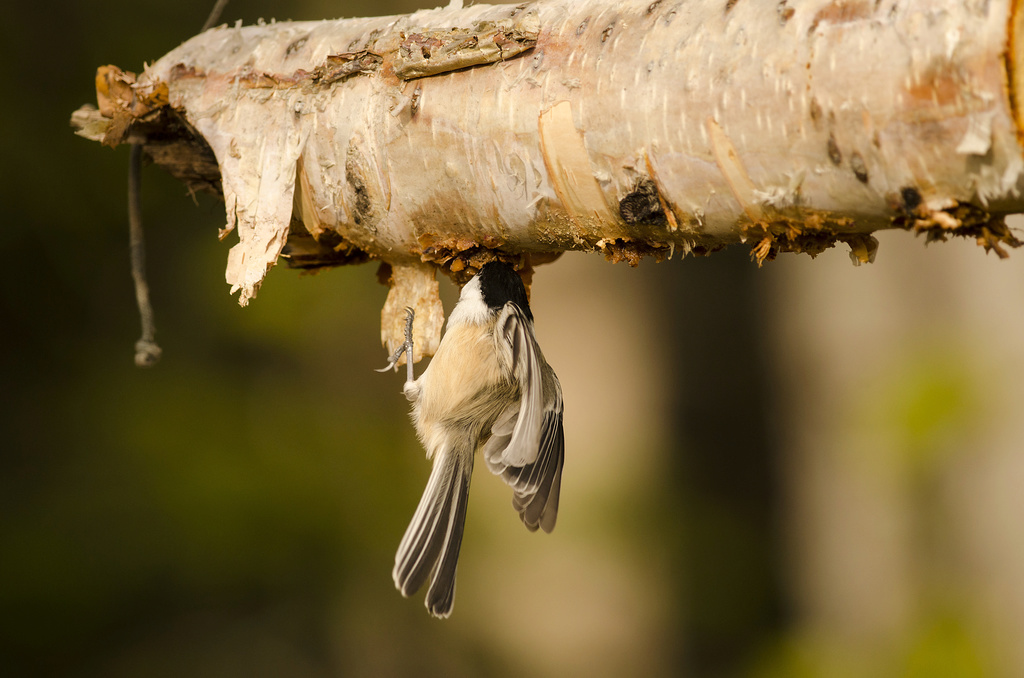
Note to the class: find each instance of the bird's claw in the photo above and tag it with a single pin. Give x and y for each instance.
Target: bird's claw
(393, 361)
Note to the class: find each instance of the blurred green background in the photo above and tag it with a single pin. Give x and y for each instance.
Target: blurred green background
(803, 470)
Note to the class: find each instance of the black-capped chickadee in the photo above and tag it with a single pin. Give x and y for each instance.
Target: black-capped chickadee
(487, 388)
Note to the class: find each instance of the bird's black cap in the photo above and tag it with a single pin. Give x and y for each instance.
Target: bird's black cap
(499, 283)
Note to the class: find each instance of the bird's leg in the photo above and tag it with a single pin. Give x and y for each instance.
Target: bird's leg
(404, 348)
(409, 315)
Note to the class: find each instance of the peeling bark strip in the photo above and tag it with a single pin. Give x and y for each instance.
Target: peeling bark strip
(337, 67)
(434, 52)
(636, 127)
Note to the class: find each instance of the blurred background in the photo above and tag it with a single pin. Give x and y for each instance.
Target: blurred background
(804, 470)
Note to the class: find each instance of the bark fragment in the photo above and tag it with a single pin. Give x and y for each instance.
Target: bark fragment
(411, 286)
(430, 52)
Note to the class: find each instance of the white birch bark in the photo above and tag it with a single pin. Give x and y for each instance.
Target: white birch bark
(631, 126)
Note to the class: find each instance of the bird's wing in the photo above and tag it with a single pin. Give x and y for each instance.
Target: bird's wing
(526, 447)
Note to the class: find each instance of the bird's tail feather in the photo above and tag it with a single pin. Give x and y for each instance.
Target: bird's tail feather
(432, 540)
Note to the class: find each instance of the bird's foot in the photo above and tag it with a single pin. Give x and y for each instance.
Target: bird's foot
(404, 348)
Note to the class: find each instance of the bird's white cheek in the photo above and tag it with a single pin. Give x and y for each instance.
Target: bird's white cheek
(471, 309)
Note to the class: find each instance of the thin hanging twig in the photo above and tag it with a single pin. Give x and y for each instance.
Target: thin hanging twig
(147, 353)
(214, 15)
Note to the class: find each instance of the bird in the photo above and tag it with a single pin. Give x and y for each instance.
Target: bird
(487, 389)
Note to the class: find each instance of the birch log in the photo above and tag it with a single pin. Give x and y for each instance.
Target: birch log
(452, 136)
